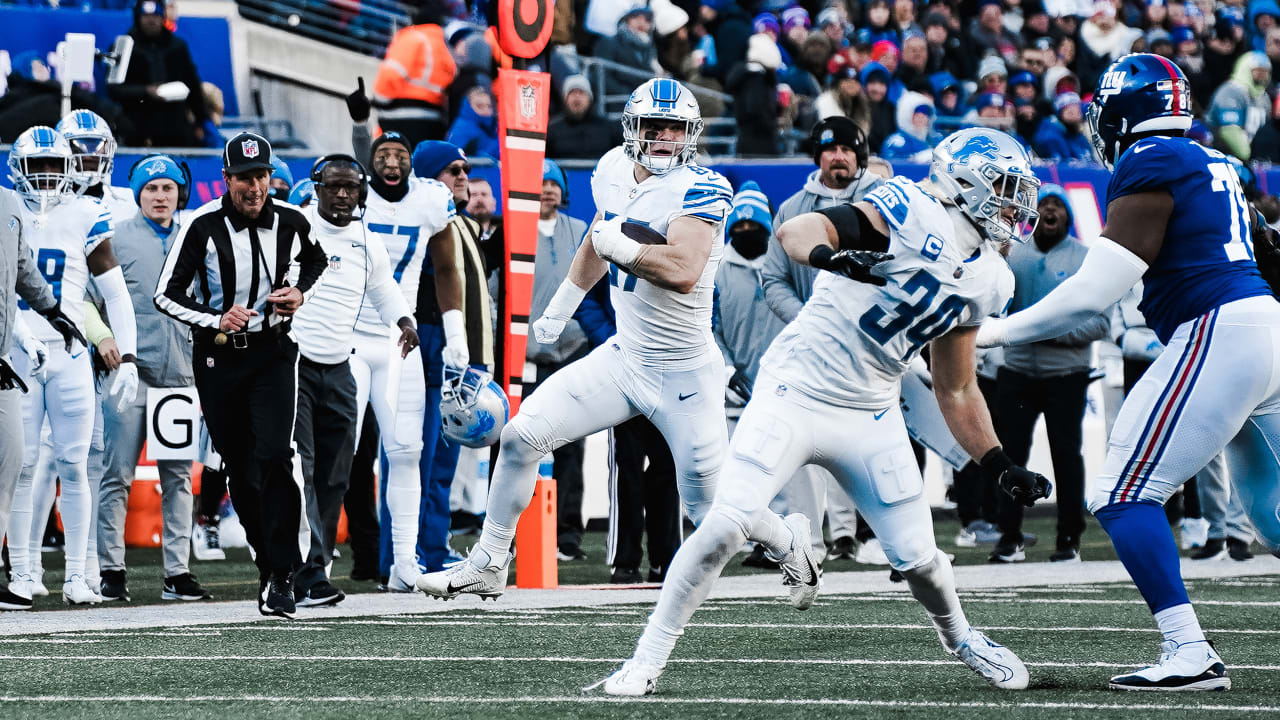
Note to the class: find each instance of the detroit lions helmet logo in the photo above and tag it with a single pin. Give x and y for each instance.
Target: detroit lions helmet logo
(976, 146)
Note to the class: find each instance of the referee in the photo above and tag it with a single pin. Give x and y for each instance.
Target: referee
(227, 275)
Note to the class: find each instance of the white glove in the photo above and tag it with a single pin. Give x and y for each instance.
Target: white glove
(37, 355)
(610, 244)
(991, 333)
(174, 91)
(455, 353)
(546, 330)
(125, 387)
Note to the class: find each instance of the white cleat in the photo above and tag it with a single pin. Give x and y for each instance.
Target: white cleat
(1195, 532)
(634, 679)
(800, 572)
(399, 582)
(1182, 668)
(478, 575)
(37, 583)
(870, 553)
(205, 542)
(994, 662)
(75, 591)
(20, 585)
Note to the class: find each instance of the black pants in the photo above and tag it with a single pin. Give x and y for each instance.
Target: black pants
(248, 397)
(645, 499)
(213, 487)
(325, 433)
(567, 471)
(975, 497)
(1185, 503)
(1021, 399)
(361, 501)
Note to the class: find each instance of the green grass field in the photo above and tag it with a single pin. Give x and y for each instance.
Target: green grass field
(858, 653)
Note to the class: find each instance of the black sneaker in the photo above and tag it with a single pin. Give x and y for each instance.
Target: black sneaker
(322, 594)
(842, 548)
(113, 586)
(1238, 550)
(183, 587)
(757, 559)
(1008, 552)
(1065, 555)
(10, 601)
(626, 576)
(657, 575)
(362, 574)
(277, 597)
(896, 576)
(1213, 549)
(570, 553)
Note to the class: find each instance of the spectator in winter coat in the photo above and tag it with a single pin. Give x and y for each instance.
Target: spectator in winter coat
(1241, 106)
(946, 51)
(1222, 48)
(845, 97)
(632, 46)
(875, 83)
(1263, 15)
(476, 129)
(988, 34)
(730, 26)
(161, 93)
(993, 75)
(1266, 143)
(904, 18)
(1102, 41)
(915, 58)
(754, 87)
(578, 132)
(878, 25)
(915, 138)
(1062, 137)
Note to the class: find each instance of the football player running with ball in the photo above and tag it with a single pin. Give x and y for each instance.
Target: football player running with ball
(1178, 221)
(912, 264)
(662, 363)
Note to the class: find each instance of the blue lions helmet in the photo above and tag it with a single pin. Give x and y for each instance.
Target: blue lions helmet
(473, 408)
(987, 175)
(1138, 93)
(40, 167)
(93, 148)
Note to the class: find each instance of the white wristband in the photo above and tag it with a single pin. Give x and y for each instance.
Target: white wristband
(566, 300)
(455, 327)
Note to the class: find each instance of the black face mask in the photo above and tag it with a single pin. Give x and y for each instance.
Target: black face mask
(390, 193)
(750, 244)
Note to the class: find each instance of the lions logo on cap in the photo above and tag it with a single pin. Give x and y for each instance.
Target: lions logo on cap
(827, 136)
(249, 148)
(155, 167)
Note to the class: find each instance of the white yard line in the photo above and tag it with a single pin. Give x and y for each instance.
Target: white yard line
(550, 659)
(855, 584)
(466, 701)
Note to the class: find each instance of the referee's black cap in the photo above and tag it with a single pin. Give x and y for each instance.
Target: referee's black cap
(244, 152)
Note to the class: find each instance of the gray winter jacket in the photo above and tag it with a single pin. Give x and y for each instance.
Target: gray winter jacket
(787, 283)
(550, 267)
(742, 323)
(18, 271)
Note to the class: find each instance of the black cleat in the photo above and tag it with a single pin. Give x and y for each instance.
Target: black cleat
(182, 587)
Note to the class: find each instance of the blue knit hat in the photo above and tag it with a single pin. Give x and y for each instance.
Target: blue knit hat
(1053, 190)
(750, 204)
(551, 171)
(302, 192)
(431, 157)
(151, 168)
(280, 170)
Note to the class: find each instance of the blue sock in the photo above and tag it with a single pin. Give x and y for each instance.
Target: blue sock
(1142, 538)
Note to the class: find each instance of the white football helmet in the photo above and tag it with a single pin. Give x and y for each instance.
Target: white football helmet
(984, 172)
(40, 167)
(473, 408)
(660, 99)
(93, 148)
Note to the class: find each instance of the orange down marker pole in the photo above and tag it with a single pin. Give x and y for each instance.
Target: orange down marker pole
(524, 27)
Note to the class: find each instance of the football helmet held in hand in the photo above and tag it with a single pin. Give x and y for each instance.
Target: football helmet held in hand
(473, 408)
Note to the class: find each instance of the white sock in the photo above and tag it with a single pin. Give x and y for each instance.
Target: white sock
(514, 479)
(769, 530)
(20, 515)
(934, 586)
(693, 571)
(404, 499)
(75, 513)
(1180, 624)
(44, 492)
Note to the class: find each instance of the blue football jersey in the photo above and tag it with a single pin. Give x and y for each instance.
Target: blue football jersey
(1207, 257)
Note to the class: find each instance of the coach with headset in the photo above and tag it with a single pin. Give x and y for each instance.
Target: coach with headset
(237, 272)
(161, 188)
(326, 425)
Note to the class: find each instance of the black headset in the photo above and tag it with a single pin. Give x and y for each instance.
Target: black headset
(184, 190)
(318, 169)
(860, 147)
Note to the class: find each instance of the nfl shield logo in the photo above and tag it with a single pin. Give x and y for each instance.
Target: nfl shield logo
(335, 262)
(249, 148)
(528, 101)
(208, 362)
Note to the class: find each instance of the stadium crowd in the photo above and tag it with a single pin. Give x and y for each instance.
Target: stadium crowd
(862, 86)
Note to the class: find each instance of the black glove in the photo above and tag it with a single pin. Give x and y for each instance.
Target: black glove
(1018, 482)
(358, 105)
(740, 385)
(65, 327)
(10, 379)
(854, 264)
(1266, 251)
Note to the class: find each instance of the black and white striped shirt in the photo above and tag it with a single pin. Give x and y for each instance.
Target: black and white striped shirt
(223, 258)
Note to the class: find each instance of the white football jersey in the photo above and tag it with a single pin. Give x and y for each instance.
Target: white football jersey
(852, 342)
(119, 200)
(62, 240)
(405, 227)
(660, 325)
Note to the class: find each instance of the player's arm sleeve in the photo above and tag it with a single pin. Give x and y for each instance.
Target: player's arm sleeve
(361, 142)
(173, 289)
(1095, 328)
(382, 285)
(115, 294)
(775, 274)
(1108, 272)
(95, 329)
(31, 285)
(854, 229)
